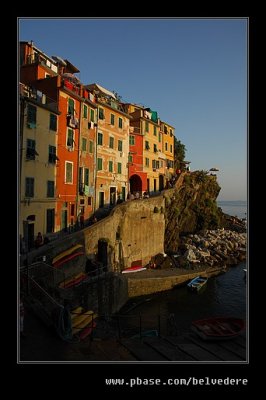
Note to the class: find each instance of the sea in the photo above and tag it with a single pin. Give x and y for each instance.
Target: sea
(224, 295)
(234, 208)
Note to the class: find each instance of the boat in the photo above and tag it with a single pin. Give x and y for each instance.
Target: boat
(197, 283)
(66, 253)
(218, 328)
(67, 258)
(136, 268)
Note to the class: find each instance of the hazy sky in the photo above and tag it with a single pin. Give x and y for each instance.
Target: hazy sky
(193, 72)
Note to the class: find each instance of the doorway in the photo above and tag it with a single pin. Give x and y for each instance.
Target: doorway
(112, 196)
(101, 199)
(64, 220)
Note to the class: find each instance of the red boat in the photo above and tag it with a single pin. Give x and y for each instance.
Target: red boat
(219, 328)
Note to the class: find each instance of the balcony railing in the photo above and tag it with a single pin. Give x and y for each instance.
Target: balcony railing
(38, 96)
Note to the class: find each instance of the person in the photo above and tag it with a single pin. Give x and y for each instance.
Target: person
(22, 312)
(39, 240)
(94, 219)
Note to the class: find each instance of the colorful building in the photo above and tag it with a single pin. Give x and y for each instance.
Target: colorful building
(87, 154)
(168, 134)
(111, 177)
(146, 133)
(38, 141)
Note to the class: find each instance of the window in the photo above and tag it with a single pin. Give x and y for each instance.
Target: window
(157, 164)
(111, 142)
(69, 172)
(112, 119)
(92, 115)
(132, 140)
(86, 176)
(165, 129)
(160, 137)
(101, 113)
(70, 138)
(110, 166)
(52, 154)
(147, 162)
(53, 122)
(100, 138)
(119, 168)
(154, 164)
(166, 146)
(120, 145)
(31, 116)
(50, 188)
(130, 158)
(120, 123)
(71, 105)
(171, 132)
(146, 126)
(99, 164)
(155, 148)
(29, 188)
(171, 148)
(85, 111)
(31, 152)
(154, 130)
(84, 144)
(89, 201)
(91, 146)
(147, 146)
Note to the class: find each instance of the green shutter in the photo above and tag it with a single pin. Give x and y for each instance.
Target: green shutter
(71, 106)
(85, 111)
(86, 176)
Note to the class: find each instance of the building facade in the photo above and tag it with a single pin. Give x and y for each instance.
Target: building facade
(38, 134)
(112, 147)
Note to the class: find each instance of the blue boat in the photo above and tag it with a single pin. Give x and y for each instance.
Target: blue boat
(197, 283)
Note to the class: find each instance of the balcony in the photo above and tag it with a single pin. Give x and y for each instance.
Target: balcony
(70, 85)
(72, 122)
(38, 96)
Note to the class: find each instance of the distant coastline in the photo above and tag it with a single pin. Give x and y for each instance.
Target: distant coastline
(234, 207)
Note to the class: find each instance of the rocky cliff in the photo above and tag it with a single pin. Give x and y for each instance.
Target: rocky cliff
(190, 207)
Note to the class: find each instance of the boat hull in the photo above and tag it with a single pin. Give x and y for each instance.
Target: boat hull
(196, 284)
(218, 328)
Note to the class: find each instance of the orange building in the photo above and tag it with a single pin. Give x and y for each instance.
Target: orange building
(74, 154)
(111, 176)
(87, 152)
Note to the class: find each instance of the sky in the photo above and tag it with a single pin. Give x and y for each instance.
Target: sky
(193, 72)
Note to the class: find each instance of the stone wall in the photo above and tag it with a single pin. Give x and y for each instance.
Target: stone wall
(134, 231)
(141, 287)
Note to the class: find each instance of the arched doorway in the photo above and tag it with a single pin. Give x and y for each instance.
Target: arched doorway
(161, 182)
(135, 184)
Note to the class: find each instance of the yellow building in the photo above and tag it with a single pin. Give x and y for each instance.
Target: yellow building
(112, 138)
(38, 143)
(167, 133)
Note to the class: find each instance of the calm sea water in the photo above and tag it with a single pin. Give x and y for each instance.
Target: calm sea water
(224, 295)
(235, 208)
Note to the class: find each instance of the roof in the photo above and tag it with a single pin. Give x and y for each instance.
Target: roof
(101, 89)
(71, 67)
